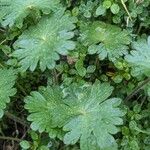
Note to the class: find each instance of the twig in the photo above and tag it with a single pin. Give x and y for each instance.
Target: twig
(18, 85)
(139, 29)
(125, 7)
(2, 30)
(10, 138)
(1, 65)
(21, 89)
(3, 42)
(137, 89)
(16, 119)
(143, 100)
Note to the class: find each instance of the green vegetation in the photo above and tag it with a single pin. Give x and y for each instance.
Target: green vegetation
(75, 74)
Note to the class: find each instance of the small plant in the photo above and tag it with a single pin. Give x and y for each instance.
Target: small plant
(74, 75)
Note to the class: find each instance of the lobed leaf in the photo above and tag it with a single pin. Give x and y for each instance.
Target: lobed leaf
(7, 81)
(44, 42)
(139, 57)
(95, 116)
(84, 113)
(105, 40)
(13, 12)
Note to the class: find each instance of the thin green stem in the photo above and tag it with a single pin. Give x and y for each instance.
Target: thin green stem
(1, 65)
(139, 29)
(137, 89)
(125, 7)
(3, 42)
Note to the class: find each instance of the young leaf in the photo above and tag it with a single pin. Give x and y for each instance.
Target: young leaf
(7, 81)
(113, 41)
(25, 144)
(44, 42)
(80, 67)
(13, 12)
(139, 58)
(115, 8)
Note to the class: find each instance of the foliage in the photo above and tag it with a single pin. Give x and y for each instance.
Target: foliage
(75, 75)
(76, 113)
(7, 81)
(99, 32)
(14, 11)
(140, 57)
(44, 42)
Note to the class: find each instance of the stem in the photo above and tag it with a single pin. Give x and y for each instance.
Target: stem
(16, 119)
(21, 89)
(137, 89)
(3, 42)
(2, 30)
(10, 138)
(125, 7)
(143, 100)
(139, 29)
(1, 65)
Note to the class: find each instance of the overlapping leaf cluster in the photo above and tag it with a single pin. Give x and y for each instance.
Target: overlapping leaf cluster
(82, 52)
(82, 111)
(7, 81)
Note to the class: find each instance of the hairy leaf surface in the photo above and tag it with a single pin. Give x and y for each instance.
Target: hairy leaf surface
(13, 12)
(105, 40)
(44, 42)
(139, 58)
(7, 81)
(95, 116)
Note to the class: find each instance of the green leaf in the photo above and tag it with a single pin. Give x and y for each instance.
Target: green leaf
(6, 49)
(139, 57)
(95, 116)
(13, 12)
(7, 81)
(43, 106)
(107, 4)
(98, 32)
(44, 147)
(115, 8)
(44, 42)
(117, 78)
(80, 68)
(100, 10)
(84, 112)
(25, 144)
(91, 69)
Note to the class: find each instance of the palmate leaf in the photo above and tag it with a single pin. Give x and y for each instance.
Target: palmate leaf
(43, 105)
(7, 81)
(82, 111)
(44, 42)
(105, 40)
(94, 117)
(13, 12)
(139, 58)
